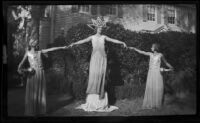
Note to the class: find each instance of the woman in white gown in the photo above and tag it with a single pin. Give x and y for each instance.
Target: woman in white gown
(97, 98)
(154, 84)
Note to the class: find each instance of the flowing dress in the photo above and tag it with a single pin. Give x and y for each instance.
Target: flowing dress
(97, 97)
(154, 85)
(35, 97)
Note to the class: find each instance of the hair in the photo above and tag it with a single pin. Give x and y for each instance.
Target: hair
(156, 47)
(36, 46)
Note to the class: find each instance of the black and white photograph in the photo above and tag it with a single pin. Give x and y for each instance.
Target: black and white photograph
(90, 59)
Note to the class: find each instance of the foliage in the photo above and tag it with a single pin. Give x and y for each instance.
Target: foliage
(23, 22)
(178, 48)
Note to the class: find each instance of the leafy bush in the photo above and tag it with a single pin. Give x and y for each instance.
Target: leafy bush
(58, 65)
(129, 67)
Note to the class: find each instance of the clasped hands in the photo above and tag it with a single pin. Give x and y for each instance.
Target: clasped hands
(30, 70)
(69, 46)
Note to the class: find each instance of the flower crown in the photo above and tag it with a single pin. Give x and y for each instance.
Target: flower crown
(97, 23)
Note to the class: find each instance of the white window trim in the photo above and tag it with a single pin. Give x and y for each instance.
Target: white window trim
(151, 21)
(116, 13)
(175, 15)
(156, 12)
(81, 10)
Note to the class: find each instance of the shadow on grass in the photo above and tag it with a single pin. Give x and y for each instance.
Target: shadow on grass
(189, 102)
(55, 103)
(113, 76)
(16, 100)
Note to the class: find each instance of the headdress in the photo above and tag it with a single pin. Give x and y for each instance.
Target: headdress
(97, 23)
(32, 41)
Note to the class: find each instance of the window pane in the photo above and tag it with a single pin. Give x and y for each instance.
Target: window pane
(74, 8)
(85, 8)
(151, 13)
(112, 10)
(171, 15)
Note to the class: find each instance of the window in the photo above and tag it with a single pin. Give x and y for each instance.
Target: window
(47, 11)
(171, 15)
(75, 8)
(112, 10)
(151, 13)
(94, 9)
(85, 8)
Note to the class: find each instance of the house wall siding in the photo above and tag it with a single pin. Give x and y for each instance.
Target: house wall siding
(133, 18)
(66, 19)
(44, 33)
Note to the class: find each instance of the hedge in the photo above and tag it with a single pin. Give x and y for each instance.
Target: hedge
(127, 70)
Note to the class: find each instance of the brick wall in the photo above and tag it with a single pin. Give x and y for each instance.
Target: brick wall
(66, 19)
(132, 18)
(44, 33)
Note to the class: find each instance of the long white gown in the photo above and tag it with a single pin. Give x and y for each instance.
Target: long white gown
(97, 98)
(154, 85)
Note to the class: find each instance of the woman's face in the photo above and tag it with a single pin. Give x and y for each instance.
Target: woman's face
(33, 43)
(99, 30)
(153, 48)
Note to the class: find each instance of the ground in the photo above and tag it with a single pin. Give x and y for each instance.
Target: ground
(63, 105)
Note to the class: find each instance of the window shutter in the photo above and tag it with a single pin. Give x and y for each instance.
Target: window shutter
(120, 11)
(144, 13)
(159, 15)
(94, 9)
(165, 16)
(178, 18)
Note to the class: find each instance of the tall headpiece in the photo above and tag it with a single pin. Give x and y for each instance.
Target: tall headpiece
(97, 23)
(33, 39)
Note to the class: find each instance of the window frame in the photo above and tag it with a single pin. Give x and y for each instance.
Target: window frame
(171, 15)
(75, 8)
(111, 10)
(83, 10)
(151, 13)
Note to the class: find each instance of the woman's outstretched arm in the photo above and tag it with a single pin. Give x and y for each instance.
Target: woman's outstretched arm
(22, 62)
(140, 51)
(115, 41)
(165, 61)
(53, 49)
(81, 41)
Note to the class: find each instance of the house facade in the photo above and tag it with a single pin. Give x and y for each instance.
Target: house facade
(152, 18)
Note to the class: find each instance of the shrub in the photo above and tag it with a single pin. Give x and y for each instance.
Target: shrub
(131, 67)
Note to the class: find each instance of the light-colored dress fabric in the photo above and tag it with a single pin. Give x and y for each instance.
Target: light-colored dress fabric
(154, 85)
(97, 99)
(93, 103)
(35, 97)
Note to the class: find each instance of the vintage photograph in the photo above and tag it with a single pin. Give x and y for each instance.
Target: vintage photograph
(101, 60)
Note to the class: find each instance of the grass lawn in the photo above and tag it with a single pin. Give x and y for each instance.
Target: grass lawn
(131, 107)
(62, 105)
(16, 100)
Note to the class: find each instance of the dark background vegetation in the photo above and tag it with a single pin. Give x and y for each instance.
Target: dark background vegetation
(67, 71)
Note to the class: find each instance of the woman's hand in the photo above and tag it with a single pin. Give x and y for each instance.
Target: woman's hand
(65, 47)
(71, 45)
(19, 71)
(124, 44)
(132, 48)
(166, 70)
(31, 71)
